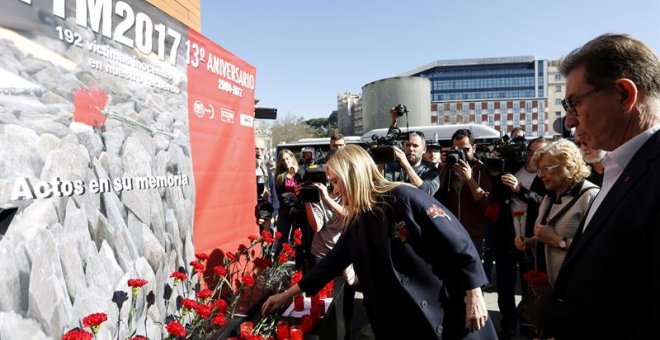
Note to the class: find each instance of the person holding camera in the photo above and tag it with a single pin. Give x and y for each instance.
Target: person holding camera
(409, 167)
(468, 187)
(518, 197)
(418, 270)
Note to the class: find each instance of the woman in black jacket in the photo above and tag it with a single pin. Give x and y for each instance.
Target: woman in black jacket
(419, 271)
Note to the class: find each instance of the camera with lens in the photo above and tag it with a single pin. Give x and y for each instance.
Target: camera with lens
(509, 154)
(263, 210)
(312, 174)
(454, 155)
(400, 110)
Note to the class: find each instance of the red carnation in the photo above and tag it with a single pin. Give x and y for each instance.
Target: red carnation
(222, 306)
(248, 280)
(268, 237)
(188, 303)
(179, 276)
(219, 320)
(137, 283)
(253, 238)
(175, 329)
(220, 271)
(94, 319)
(298, 233)
(282, 258)
(230, 256)
(138, 337)
(77, 334)
(536, 278)
(202, 257)
(198, 266)
(204, 294)
(297, 242)
(278, 235)
(203, 310)
(87, 106)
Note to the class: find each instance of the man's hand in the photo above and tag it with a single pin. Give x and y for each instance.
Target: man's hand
(395, 117)
(463, 170)
(476, 312)
(400, 156)
(511, 181)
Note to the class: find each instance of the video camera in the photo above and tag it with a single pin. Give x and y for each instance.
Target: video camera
(511, 154)
(312, 174)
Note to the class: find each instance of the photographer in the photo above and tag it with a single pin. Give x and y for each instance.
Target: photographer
(409, 167)
(518, 196)
(468, 188)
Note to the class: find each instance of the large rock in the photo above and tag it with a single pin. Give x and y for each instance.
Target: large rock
(49, 302)
(15, 327)
(10, 284)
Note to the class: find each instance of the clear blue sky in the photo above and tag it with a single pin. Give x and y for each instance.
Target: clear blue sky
(307, 51)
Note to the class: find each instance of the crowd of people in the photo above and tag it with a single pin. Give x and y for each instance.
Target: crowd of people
(418, 235)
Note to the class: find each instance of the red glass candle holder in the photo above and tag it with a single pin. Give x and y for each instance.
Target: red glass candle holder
(246, 329)
(307, 323)
(282, 330)
(320, 306)
(299, 303)
(322, 294)
(330, 288)
(295, 332)
(316, 316)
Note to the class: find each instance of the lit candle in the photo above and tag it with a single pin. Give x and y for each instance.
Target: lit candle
(322, 294)
(299, 303)
(246, 329)
(295, 332)
(307, 323)
(282, 329)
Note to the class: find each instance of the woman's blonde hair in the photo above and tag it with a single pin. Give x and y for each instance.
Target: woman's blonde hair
(361, 180)
(568, 156)
(282, 170)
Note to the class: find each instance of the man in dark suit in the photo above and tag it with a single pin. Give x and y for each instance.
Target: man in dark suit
(608, 285)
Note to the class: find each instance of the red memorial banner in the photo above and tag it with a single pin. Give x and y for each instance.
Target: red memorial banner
(221, 114)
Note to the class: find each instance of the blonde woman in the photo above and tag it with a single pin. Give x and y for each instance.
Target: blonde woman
(285, 185)
(563, 171)
(419, 271)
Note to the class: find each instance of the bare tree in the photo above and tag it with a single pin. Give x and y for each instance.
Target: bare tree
(291, 128)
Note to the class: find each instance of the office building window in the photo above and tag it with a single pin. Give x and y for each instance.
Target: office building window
(558, 88)
(557, 101)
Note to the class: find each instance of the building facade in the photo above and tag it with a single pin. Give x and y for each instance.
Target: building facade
(498, 92)
(346, 103)
(556, 92)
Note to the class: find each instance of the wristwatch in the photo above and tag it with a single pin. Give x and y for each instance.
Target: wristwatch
(563, 244)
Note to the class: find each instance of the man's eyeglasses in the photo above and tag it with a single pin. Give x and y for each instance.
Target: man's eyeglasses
(547, 168)
(569, 103)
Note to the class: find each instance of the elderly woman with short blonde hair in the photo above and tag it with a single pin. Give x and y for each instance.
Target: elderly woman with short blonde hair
(563, 171)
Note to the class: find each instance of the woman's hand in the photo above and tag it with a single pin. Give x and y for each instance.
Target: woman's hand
(278, 301)
(274, 303)
(520, 243)
(323, 189)
(546, 234)
(476, 312)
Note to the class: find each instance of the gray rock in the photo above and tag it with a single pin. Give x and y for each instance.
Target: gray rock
(15, 327)
(113, 139)
(92, 142)
(136, 159)
(53, 98)
(111, 164)
(47, 143)
(49, 302)
(10, 284)
(18, 153)
(69, 162)
(62, 83)
(34, 65)
(157, 216)
(39, 215)
(153, 250)
(161, 143)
